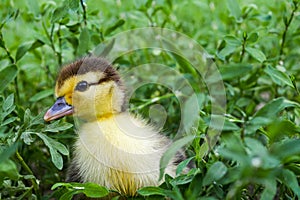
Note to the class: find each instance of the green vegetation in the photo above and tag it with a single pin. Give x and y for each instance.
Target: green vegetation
(255, 45)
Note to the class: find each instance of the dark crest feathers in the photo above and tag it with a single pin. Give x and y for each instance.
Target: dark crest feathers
(88, 64)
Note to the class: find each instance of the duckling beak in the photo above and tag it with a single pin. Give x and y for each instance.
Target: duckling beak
(59, 109)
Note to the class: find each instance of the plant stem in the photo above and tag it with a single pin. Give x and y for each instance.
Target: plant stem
(59, 45)
(287, 25)
(84, 12)
(26, 167)
(243, 47)
(12, 61)
(149, 18)
(50, 38)
(151, 101)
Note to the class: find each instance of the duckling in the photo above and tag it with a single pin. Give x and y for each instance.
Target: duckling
(114, 148)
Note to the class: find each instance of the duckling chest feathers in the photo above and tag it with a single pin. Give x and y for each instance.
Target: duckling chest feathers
(121, 153)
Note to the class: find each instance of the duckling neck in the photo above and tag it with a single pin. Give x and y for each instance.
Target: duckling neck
(106, 116)
(100, 117)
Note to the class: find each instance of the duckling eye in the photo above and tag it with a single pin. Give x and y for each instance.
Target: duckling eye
(82, 86)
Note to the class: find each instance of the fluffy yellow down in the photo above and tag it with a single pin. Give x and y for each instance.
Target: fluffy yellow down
(120, 152)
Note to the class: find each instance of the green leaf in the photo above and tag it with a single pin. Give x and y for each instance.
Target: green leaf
(74, 5)
(7, 152)
(69, 195)
(54, 144)
(58, 14)
(278, 77)
(57, 126)
(190, 118)
(23, 49)
(103, 49)
(229, 126)
(268, 113)
(54, 147)
(214, 173)
(94, 191)
(74, 28)
(252, 38)
(170, 153)
(256, 54)
(41, 95)
(229, 49)
(185, 178)
(84, 40)
(226, 126)
(36, 44)
(234, 9)
(60, 147)
(290, 180)
(56, 158)
(26, 137)
(4, 114)
(27, 116)
(233, 40)
(285, 149)
(280, 129)
(208, 198)
(275, 106)
(177, 55)
(147, 191)
(233, 71)
(8, 102)
(270, 189)
(7, 75)
(28, 177)
(233, 174)
(8, 121)
(8, 169)
(256, 149)
(56, 185)
(12, 15)
(38, 119)
(183, 165)
(233, 149)
(118, 24)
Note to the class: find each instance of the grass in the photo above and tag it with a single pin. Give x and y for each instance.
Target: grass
(254, 46)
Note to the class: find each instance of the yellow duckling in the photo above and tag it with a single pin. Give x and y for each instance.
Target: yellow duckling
(113, 149)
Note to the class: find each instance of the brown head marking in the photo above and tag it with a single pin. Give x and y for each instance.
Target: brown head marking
(89, 64)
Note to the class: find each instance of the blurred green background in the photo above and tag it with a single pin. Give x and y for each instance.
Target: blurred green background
(254, 43)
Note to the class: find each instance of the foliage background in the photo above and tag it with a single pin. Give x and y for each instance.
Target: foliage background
(254, 43)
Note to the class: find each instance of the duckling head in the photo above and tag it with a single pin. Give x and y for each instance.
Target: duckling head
(89, 88)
